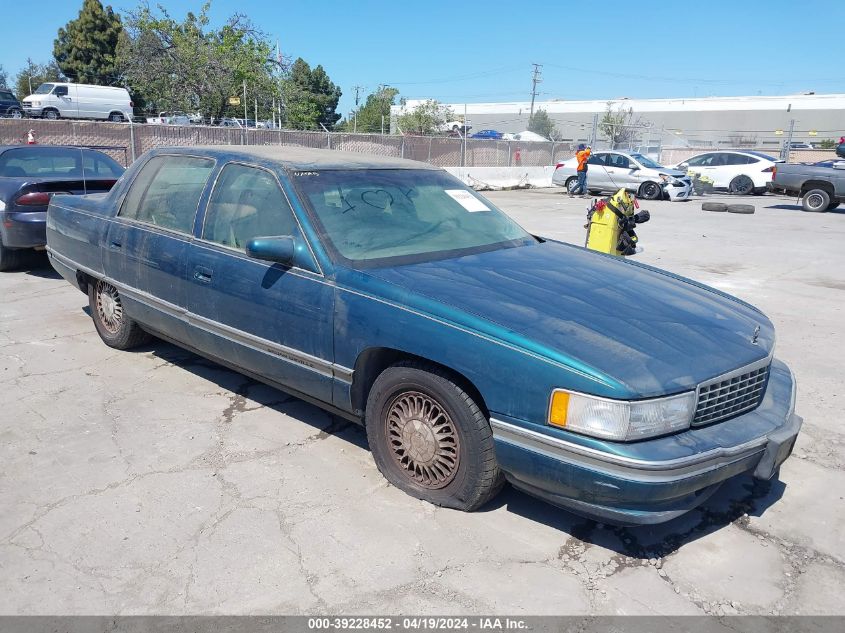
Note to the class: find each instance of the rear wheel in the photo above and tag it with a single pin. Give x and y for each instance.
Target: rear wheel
(50, 114)
(741, 185)
(815, 201)
(571, 183)
(116, 117)
(113, 324)
(430, 439)
(10, 258)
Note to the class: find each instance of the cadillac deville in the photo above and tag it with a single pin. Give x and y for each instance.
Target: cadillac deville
(387, 292)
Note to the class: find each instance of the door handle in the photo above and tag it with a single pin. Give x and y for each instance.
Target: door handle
(202, 274)
(114, 245)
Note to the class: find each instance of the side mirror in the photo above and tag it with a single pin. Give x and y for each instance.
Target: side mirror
(634, 168)
(682, 167)
(272, 249)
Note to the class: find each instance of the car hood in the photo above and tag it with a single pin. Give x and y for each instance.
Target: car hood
(671, 171)
(651, 331)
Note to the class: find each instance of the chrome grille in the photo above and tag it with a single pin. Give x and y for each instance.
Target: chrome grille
(728, 396)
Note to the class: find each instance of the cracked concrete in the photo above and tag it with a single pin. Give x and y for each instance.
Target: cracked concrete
(154, 481)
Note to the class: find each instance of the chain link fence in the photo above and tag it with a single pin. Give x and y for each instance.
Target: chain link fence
(125, 142)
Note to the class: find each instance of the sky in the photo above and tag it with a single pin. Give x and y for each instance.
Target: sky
(474, 51)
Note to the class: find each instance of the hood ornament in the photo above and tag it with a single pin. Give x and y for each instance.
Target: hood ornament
(755, 336)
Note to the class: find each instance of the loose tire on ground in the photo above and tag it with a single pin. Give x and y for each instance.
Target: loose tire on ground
(744, 209)
(815, 201)
(430, 439)
(111, 321)
(714, 206)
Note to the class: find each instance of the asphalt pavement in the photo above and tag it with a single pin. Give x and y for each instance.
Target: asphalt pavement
(156, 482)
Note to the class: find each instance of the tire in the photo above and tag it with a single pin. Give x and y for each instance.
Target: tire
(815, 201)
(113, 325)
(571, 183)
(50, 114)
(420, 407)
(15, 113)
(744, 209)
(10, 258)
(116, 117)
(714, 206)
(650, 191)
(832, 206)
(741, 185)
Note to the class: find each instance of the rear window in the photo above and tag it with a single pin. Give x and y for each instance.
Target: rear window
(57, 162)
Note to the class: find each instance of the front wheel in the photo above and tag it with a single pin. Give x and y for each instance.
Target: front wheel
(15, 113)
(430, 439)
(650, 191)
(110, 319)
(50, 114)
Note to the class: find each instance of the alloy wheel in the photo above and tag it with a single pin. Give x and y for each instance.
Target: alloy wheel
(423, 440)
(109, 307)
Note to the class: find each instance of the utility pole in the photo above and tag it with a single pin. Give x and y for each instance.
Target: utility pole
(357, 100)
(595, 129)
(788, 145)
(535, 79)
(381, 88)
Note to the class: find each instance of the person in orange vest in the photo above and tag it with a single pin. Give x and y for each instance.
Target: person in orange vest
(583, 155)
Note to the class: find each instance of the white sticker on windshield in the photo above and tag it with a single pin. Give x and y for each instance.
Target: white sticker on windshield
(467, 200)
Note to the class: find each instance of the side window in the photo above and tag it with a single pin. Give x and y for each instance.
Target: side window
(246, 203)
(167, 191)
(617, 160)
(597, 159)
(698, 161)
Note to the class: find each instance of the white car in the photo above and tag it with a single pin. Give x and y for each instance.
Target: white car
(609, 171)
(455, 127)
(526, 135)
(741, 172)
(59, 100)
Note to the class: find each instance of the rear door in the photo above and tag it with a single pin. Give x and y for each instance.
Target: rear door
(267, 318)
(596, 173)
(147, 244)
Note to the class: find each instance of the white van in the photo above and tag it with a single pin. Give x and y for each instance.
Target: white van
(78, 101)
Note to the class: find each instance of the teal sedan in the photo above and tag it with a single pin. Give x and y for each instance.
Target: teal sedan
(473, 352)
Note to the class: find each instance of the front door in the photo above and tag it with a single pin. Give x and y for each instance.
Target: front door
(270, 319)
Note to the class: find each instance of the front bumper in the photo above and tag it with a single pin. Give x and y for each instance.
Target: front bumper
(681, 191)
(653, 480)
(23, 229)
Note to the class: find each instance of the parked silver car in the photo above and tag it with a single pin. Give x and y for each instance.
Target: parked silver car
(610, 171)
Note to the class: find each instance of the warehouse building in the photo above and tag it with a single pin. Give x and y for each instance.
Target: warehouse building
(761, 122)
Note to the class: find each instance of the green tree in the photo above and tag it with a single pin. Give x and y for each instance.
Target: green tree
(827, 143)
(620, 127)
(33, 75)
(375, 110)
(85, 48)
(4, 76)
(542, 124)
(189, 65)
(426, 118)
(310, 97)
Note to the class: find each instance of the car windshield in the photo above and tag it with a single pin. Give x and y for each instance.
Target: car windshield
(372, 218)
(44, 89)
(645, 161)
(57, 162)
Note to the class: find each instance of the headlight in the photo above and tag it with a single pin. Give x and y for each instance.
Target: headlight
(621, 419)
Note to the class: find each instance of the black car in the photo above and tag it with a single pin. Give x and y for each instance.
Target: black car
(29, 176)
(9, 105)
